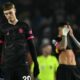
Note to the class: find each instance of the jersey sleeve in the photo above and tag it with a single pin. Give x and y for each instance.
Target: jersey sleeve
(1, 43)
(28, 33)
(32, 48)
(1, 38)
(31, 43)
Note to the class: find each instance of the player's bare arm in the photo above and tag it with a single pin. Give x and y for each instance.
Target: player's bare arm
(73, 37)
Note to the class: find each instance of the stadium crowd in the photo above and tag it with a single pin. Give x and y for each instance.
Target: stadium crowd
(44, 16)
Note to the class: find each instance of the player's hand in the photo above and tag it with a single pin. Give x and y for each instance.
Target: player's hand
(65, 30)
(36, 70)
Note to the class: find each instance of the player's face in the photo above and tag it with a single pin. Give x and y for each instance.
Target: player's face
(47, 50)
(10, 14)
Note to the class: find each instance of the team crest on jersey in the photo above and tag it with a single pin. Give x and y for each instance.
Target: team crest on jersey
(30, 32)
(51, 66)
(21, 30)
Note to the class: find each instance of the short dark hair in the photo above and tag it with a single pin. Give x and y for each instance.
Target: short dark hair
(45, 42)
(7, 6)
(62, 24)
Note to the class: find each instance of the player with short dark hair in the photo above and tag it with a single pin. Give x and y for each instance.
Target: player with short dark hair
(13, 36)
(67, 69)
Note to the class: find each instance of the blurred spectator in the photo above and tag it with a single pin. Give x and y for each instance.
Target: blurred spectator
(47, 63)
(45, 29)
(25, 16)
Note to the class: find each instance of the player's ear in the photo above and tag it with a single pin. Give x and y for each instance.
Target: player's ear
(15, 10)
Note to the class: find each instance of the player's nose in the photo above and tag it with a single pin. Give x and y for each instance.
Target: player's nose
(8, 15)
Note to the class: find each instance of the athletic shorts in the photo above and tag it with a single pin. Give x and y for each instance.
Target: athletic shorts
(17, 73)
(67, 72)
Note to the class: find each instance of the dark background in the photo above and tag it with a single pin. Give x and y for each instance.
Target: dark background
(44, 16)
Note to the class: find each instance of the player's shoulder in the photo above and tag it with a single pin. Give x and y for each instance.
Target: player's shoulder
(22, 23)
(40, 57)
(53, 58)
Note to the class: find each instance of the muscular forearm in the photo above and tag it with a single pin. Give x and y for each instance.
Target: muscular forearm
(76, 41)
(63, 43)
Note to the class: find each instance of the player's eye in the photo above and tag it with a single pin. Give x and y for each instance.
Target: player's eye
(10, 13)
(6, 13)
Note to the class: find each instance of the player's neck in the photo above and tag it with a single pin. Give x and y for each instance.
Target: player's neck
(45, 55)
(13, 22)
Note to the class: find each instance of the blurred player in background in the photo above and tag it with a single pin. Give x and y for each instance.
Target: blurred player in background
(48, 64)
(67, 69)
(13, 38)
